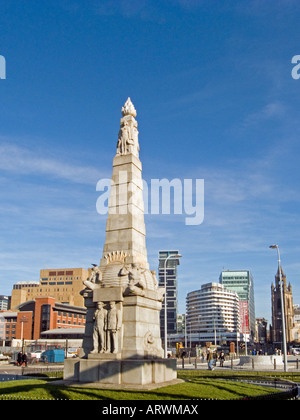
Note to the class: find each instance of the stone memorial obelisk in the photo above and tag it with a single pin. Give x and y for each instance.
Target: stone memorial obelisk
(122, 343)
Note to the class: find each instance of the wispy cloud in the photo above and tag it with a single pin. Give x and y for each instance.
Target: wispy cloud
(20, 160)
(269, 111)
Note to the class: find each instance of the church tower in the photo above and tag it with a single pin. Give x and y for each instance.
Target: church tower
(276, 333)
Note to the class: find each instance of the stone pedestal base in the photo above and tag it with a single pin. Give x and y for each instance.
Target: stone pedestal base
(120, 372)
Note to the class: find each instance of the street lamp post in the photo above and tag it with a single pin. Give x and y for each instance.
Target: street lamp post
(282, 309)
(185, 333)
(23, 319)
(165, 311)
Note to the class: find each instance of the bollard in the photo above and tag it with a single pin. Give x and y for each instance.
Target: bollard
(183, 363)
(274, 364)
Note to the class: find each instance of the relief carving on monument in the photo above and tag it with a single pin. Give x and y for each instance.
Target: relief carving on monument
(150, 345)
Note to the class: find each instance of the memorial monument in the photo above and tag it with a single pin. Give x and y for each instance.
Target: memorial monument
(122, 343)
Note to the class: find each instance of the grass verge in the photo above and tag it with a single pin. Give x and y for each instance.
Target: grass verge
(221, 385)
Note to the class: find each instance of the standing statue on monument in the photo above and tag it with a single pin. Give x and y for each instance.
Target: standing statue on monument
(114, 324)
(135, 139)
(100, 327)
(123, 139)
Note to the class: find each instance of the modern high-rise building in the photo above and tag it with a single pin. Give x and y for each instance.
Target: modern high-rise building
(4, 302)
(212, 315)
(167, 270)
(241, 282)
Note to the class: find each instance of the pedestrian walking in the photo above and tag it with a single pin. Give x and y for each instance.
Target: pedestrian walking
(24, 359)
(19, 358)
(222, 358)
(210, 359)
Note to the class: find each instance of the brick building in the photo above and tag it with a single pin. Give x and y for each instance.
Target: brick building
(42, 314)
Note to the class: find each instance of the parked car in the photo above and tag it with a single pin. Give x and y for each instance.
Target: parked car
(71, 355)
(35, 354)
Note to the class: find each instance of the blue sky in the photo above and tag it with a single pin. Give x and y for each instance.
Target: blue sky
(211, 82)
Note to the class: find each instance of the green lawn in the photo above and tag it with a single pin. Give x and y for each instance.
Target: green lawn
(197, 385)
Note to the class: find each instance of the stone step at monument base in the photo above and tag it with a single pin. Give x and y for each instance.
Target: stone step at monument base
(120, 372)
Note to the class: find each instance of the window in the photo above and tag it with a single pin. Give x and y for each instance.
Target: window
(45, 317)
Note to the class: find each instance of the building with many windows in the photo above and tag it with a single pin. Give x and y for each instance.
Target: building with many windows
(36, 316)
(64, 285)
(241, 282)
(212, 315)
(167, 270)
(4, 302)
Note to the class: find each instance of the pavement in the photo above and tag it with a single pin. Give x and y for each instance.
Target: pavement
(10, 372)
(11, 369)
(292, 365)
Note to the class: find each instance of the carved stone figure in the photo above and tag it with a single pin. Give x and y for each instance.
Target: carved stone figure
(155, 282)
(94, 280)
(114, 324)
(123, 139)
(100, 327)
(135, 139)
(136, 283)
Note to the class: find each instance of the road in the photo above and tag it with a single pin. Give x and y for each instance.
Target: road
(11, 371)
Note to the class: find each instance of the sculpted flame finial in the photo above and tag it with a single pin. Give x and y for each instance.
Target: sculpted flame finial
(128, 108)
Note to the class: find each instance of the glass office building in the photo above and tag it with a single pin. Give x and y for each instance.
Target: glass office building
(167, 270)
(241, 282)
(212, 315)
